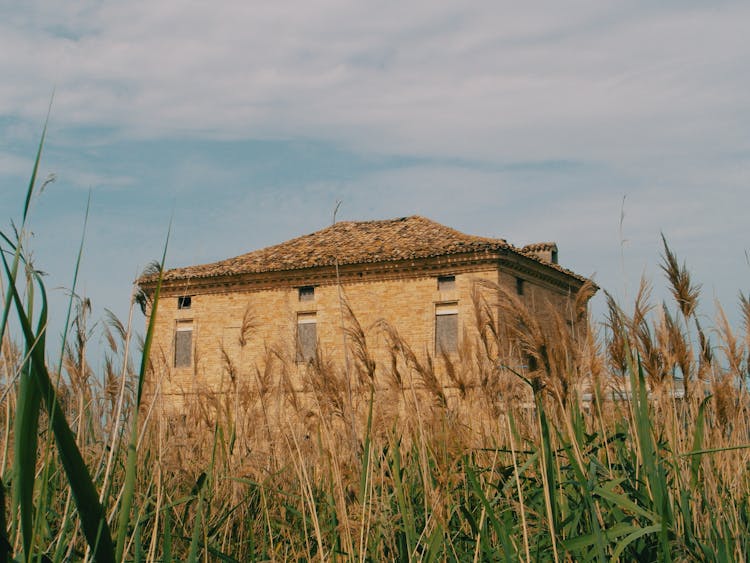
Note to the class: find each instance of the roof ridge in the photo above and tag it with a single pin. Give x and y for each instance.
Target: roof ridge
(456, 231)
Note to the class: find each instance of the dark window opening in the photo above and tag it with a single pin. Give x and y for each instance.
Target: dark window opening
(184, 302)
(446, 328)
(519, 286)
(446, 283)
(183, 345)
(307, 293)
(307, 337)
(554, 256)
(531, 363)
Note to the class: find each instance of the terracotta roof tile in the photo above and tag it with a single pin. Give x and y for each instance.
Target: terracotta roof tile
(352, 242)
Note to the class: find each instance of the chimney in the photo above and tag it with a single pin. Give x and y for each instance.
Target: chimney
(544, 251)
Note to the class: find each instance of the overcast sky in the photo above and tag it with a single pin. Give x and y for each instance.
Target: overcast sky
(594, 124)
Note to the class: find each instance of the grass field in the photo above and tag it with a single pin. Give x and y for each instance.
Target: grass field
(510, 465)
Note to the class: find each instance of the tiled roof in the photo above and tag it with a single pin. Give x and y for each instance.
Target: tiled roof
(353, 242)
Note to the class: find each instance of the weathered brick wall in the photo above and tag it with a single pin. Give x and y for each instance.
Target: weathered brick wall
(226, 354)
(538, 298)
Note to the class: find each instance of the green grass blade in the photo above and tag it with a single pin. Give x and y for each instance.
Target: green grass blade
(643, 419)
(166, 555)
(195, 538)
(364, 473)
(404, 506)
(653, 466)
(716, 450)
(89, 508)
(26, 431)
(35, 170)
(47, 466)
(74, 285)
(197, 521)
(624, 503)
(547, 462)
(588, 540)
(139, 556)
(12, 275)
(582, 483)
(434, 545)
(145, 358)
(695, 463)
(6, 550)
(27, 414)
(491, 512)
(132, 457)
(632, 537)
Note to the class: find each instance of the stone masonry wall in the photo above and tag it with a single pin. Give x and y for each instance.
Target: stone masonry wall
(237, 333)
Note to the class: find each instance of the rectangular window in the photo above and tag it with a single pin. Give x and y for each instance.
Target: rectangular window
(519, 286)
(307, 293)
(307, 337)
(446, 283)
(446, 328)
(184, 302)
(183, 345)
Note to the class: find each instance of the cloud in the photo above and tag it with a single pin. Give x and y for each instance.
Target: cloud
(12, 165)
(481, 81)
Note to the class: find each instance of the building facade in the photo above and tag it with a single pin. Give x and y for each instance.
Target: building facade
(294, 303)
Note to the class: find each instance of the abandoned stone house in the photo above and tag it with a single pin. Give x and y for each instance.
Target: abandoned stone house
(412, 273)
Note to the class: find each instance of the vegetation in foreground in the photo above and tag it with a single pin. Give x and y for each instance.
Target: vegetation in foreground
(504, 463)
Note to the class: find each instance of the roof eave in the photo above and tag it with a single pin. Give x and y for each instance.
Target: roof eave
(434, 265)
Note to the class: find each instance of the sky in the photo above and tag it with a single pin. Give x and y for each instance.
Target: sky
(598, 125)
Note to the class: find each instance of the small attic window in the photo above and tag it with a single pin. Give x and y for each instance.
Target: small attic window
(519, 286)
(307, 293)
(446, 283)
(554, 256)
(184, 302)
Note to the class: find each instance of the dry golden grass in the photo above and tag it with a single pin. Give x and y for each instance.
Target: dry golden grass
(534, 441)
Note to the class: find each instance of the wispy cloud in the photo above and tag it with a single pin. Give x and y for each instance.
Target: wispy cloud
(446, 79)
(12, 165)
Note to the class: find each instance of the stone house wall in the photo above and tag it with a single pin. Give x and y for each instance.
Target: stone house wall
(236, 330)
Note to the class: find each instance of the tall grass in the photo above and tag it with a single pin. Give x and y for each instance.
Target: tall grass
(467, 457)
